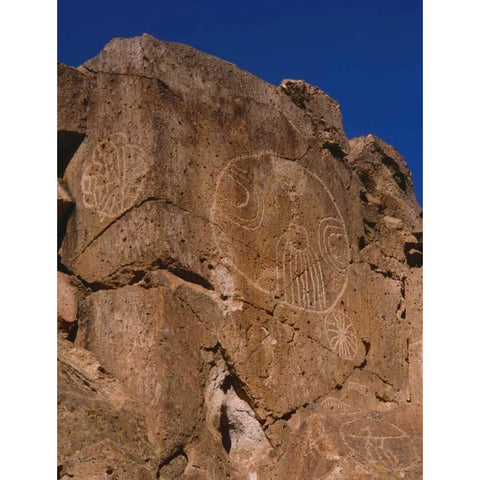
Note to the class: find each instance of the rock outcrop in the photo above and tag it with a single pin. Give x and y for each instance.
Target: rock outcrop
(240, 286)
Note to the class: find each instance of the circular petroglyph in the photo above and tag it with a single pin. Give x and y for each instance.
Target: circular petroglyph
(113, 176)
(278, 226)
(341, 334)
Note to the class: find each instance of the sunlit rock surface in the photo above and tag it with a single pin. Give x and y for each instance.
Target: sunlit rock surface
(240, 286)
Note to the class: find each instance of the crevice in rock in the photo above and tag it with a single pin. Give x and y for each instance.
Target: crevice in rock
(115, 220)
(191, 277)
(362, 365)
(369, 230)
(67, 145)
(257, 307)
(137, 277)
(335, 150)
(367, 346)
(398, 176)
(386, 382)
(286, 416)
(166, 201)
(385, 273)
(224, 429)
(72, 334)
(62, 268)
(361, 243)
(232, 381)
(414, 254)
(173, 466)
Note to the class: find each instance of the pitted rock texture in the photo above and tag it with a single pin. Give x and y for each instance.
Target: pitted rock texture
(240, 292)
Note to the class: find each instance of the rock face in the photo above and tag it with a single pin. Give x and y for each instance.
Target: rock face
(241, 286)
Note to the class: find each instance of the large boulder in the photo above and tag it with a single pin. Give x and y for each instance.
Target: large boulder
(252, 279)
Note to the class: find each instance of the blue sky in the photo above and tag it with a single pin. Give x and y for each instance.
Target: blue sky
(367, 55)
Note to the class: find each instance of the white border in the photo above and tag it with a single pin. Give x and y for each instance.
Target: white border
(451, 186)
(28, 240)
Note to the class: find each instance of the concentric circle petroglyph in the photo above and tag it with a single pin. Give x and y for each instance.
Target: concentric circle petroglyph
(341, 334)
(113, 176)
(277, 224)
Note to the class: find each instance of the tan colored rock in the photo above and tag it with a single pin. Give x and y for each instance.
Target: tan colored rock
(72, 106)
(69, 292)
(100, 433)
(356, 446)
(72, 99)
(133, 326)
(65, 201)
(254, 278)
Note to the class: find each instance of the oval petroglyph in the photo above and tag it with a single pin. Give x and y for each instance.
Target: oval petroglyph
(113, 176)
(278, 226)
(377, 442)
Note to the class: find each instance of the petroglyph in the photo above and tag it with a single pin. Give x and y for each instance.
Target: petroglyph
(375, 441)
(113, 176)
(356, 387)
(277, 224)
(332, 240)
(334, 406)
(341, 334)
(299, 274)
(242, 201)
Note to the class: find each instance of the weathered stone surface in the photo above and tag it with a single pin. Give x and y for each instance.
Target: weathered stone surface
(100, 433)
(65, 201)
(69, 293)
(72, 104)
(252, 279)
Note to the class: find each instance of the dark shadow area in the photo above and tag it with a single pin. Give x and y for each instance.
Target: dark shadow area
(224, 429)
(67, 145)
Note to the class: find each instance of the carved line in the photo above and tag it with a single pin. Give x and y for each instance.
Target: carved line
(334, 406)
(372, 447)
(301, 280)
(240, 178)
(324, 233)
(341, 335)
(357, 387)
(107, 164)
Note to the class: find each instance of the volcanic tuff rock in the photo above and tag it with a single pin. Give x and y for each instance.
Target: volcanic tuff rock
(240, 286)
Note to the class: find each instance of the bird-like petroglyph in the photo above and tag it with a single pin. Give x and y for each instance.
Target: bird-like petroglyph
(378, 442)
(113, 176)
(299, 273)
(277, 225)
